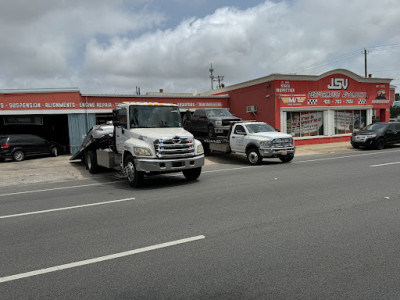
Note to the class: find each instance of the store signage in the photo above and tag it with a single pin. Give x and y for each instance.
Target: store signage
(199, 104)
(92, 105)
(293, 99)
(338, 84)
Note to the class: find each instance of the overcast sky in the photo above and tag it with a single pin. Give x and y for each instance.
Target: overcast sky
(104, 46)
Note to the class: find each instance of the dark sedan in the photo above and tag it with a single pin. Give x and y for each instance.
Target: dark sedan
(19, 146)
(377, 135)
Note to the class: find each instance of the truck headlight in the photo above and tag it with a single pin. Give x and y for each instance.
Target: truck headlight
(218, 123)
(265, 143)
(200, 149)
(142, 151)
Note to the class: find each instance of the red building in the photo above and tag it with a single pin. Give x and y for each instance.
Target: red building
(313, 109)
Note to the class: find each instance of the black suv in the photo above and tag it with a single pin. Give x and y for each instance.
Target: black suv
(210, 121)
(19, 146)
(377, 135)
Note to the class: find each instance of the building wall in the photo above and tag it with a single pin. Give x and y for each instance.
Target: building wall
(329, 97)
(315, 109)
(259, 95)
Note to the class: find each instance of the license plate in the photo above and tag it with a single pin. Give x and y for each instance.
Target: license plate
(283, 152)
(178, 164)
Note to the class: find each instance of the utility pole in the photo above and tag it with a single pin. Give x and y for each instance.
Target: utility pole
(218, 78)
(365, 62)
(212, 77)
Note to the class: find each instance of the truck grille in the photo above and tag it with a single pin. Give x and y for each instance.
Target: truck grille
(177, 147)
(282, 143)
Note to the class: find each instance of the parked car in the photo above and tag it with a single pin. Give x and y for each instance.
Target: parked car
(19, 146)
(210, 121)
(377, 135)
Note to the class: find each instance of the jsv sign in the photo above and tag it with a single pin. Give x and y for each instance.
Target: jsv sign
(338, 84)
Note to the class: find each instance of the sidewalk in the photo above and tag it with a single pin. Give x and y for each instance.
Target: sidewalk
(53, 169)
(324, 148)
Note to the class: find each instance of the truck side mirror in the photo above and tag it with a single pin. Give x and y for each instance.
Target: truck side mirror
(277, 129)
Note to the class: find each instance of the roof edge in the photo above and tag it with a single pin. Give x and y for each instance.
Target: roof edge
(277, 76)
(38, 91)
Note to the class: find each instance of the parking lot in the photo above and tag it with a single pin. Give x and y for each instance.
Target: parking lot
(53, 169)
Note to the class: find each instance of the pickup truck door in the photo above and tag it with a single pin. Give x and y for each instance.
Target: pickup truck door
(194, 121)
(201, 121)
(237, 139)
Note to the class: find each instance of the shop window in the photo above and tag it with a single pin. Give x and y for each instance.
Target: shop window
(346, 121)
(305, 123)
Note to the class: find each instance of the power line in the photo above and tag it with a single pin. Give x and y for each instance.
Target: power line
(351, 55)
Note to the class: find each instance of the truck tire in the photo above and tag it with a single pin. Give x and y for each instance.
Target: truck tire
(206, 147)
(286, 158)
(134, 177)
(192, 174)
(254, 156)
(91, 162)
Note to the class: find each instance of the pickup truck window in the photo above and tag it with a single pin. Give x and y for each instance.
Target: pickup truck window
(154, 116)
(239, 129)
(262, 127)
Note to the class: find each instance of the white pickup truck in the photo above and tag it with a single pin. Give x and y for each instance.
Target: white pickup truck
(257, 140)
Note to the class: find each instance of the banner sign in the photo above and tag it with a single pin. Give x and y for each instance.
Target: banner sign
(333, 90)
(75, 103)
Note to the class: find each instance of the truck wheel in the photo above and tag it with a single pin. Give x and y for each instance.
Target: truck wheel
(206, 147)
(253, 156)
(134, 177)
(91, 161)
(211, 132)
(286, 158)
(192, 174)
(18, 155)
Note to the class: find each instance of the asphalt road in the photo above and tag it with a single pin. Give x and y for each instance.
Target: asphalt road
(320, 227)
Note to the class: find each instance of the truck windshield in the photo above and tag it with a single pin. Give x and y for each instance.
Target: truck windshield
(259, 127)
(154, 116)
(218, 112)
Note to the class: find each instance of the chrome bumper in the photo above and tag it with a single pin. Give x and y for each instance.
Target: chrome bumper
(169, 165)
(275, 152)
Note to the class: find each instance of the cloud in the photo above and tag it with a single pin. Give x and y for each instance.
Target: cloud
(114, 46)
(45, 39)
(281, 37)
